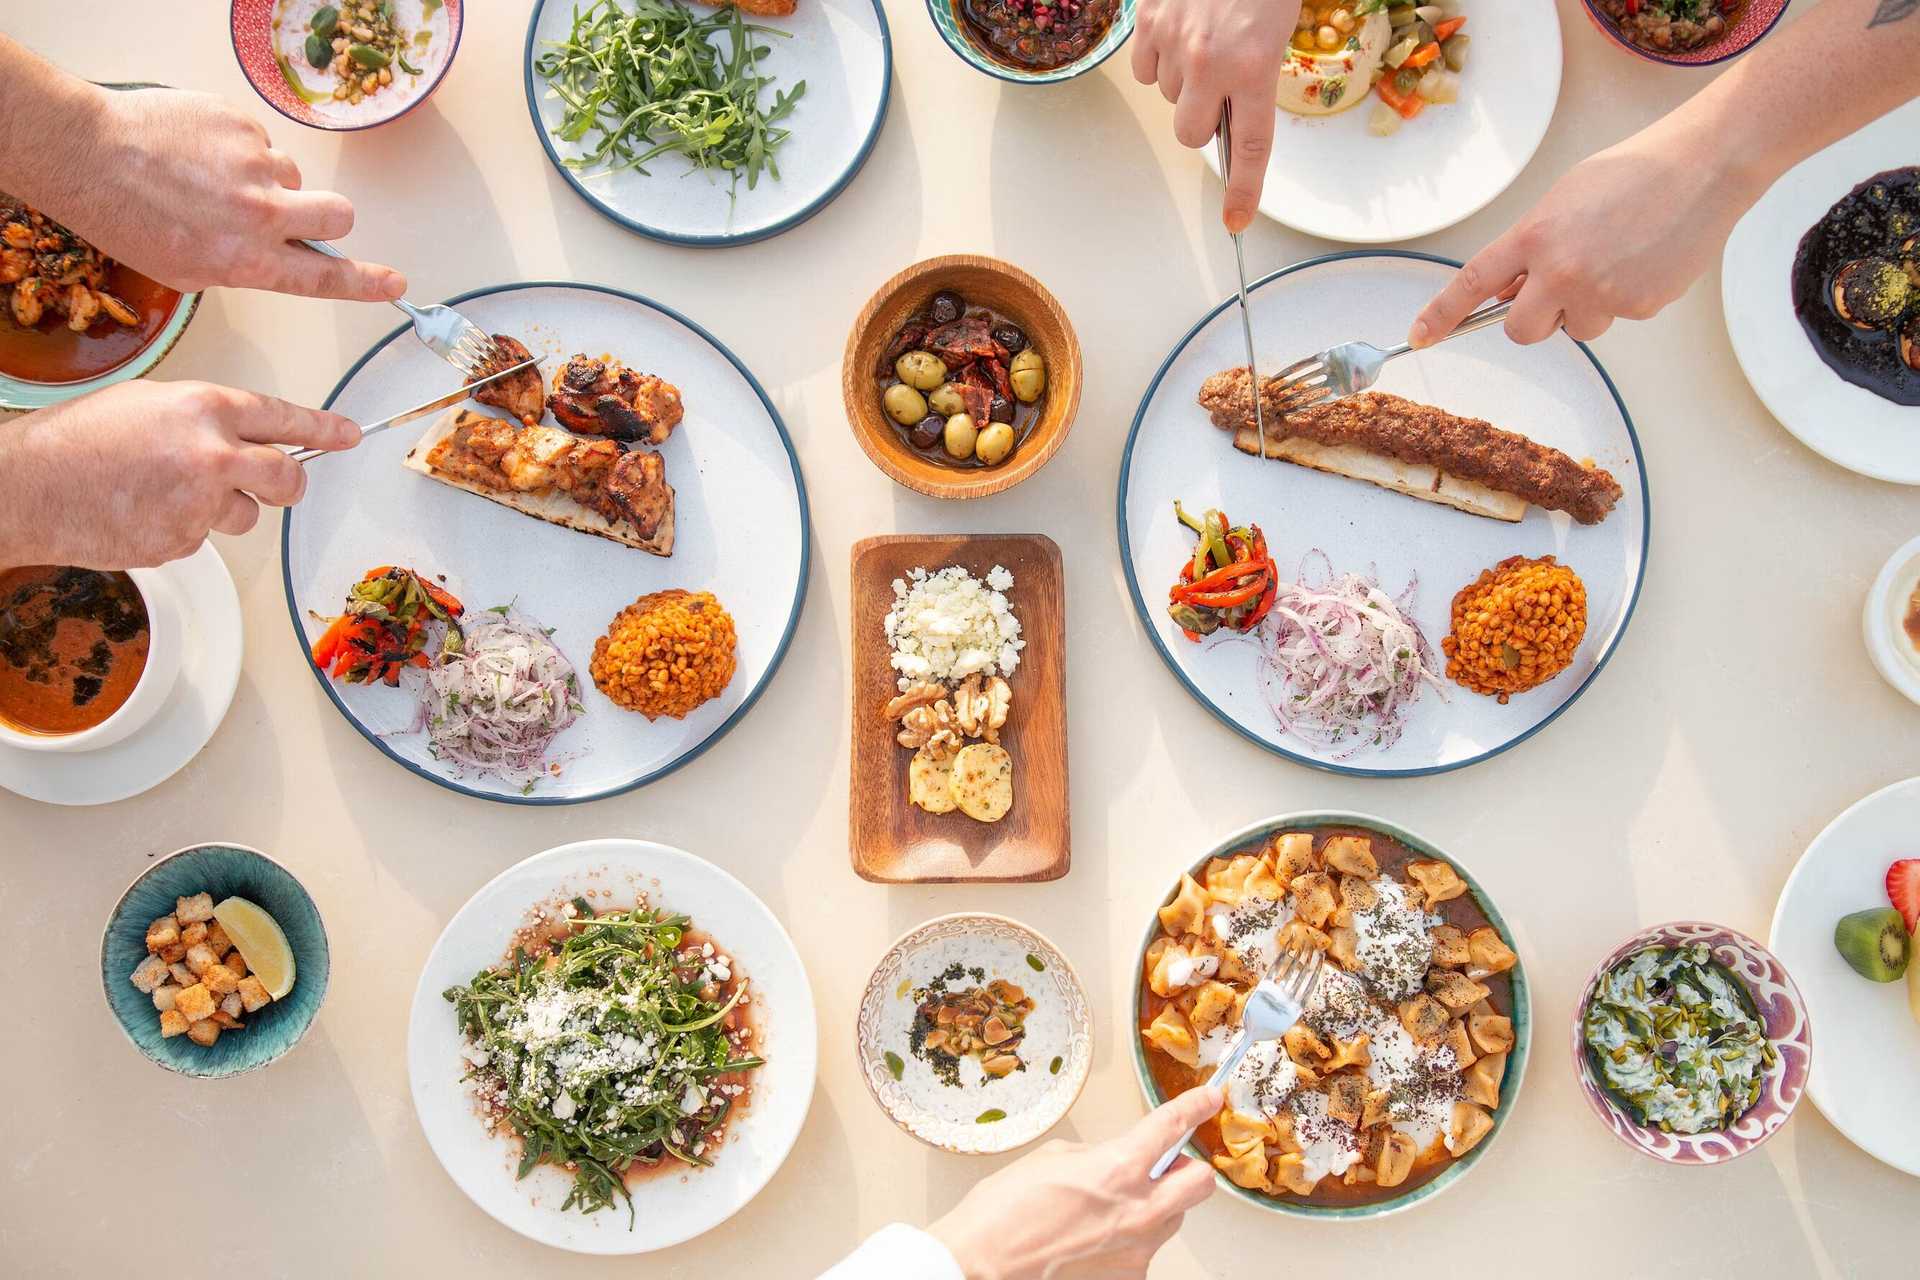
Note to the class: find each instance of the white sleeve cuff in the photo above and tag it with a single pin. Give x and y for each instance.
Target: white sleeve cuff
(897, 1252)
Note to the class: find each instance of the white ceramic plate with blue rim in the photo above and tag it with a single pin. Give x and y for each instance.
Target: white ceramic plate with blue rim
(844, 52)
(1842, 423)
(1329, 177)
(1554, 392)
(1862, 1078)
(668, 1208)
(740, 532)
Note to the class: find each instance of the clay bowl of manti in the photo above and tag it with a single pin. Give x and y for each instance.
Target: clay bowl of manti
(1039, 427)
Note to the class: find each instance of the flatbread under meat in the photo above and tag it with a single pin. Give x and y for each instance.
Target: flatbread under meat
(1414, 449)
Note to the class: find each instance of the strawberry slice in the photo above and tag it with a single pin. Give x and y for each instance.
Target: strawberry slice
(1903, 887)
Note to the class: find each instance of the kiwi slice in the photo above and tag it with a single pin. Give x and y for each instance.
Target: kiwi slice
(1875, 943)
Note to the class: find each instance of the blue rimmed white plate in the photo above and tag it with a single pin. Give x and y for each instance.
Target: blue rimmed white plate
(1554, 392)
(740, 532)
(841, 48)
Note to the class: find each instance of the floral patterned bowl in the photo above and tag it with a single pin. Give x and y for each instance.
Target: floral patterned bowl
(995, 1115)
(268, 58)
(1787, 1027)
(1755, 19)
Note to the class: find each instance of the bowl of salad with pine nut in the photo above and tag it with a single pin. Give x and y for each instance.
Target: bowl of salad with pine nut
(345, 64)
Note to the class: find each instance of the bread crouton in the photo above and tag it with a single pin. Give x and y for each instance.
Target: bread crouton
(253, 994)
(181, 975)
(226, 1021)
(164, 996)
(200, 958)
(162, 933)
(195, 1002)
(218, 940)
(197, 909)
(172, 1023)
(204, 1032)
(174, 953)
(194, 934)
(223, 981)
(148, 974)
(230, 1004)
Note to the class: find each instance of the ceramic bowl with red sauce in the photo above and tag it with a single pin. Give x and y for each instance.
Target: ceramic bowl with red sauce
(1742, 23)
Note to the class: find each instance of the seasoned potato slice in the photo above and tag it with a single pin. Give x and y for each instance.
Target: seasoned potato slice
(983, 781)
(930, 782)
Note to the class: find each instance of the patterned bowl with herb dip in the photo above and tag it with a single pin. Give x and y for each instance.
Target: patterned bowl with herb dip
(1692, 1043)
(344, 65)
(974, 1034)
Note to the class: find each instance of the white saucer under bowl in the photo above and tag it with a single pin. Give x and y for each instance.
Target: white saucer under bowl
(209, 673)
(1881, 621)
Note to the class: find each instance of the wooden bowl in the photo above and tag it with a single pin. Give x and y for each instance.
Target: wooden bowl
(985, 282)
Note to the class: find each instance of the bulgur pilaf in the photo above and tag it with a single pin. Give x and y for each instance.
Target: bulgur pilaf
(1516, 626)
(666, 653)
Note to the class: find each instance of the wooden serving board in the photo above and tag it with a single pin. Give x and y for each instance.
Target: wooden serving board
(895, 842)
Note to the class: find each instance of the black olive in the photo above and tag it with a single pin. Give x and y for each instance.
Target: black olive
(1001, 410)
(927, 432)
(1011, 337)
(945, 307)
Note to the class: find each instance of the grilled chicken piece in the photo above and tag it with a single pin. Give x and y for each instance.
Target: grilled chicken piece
(603, 398)
(636, 490)
(759, 8)
(500, 455)
(519, 394)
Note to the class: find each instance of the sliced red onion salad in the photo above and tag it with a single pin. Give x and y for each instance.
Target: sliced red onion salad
(1341, 661)
(496, 706)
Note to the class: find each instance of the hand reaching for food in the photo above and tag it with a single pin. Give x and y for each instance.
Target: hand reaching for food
(139, 473)
(179, 186)
(1069, 1206)
(1205, 54)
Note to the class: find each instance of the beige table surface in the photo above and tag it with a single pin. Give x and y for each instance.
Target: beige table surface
(1739, 715)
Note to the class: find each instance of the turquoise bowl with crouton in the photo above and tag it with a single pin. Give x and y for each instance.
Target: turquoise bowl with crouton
(224, 871)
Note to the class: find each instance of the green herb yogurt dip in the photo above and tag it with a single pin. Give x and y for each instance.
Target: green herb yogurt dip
(1675, 1037)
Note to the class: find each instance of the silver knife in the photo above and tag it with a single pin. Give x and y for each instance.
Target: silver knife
(439, 402)
(1224, 142)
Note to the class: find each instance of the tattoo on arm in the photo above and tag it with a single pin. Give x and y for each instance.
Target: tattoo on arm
(1893, 11)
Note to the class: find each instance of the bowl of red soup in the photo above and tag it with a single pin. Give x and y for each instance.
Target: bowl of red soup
(75, 320)
(86, 657)
(1033, 41)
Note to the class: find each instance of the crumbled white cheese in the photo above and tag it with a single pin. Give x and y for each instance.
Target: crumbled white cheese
(948, 625)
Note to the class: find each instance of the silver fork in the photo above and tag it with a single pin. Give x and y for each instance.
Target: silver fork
(446, 332)
(1275, 1005)
(1355, 366)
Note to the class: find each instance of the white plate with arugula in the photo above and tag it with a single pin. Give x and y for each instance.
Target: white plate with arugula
(825, 73)
(598, 879)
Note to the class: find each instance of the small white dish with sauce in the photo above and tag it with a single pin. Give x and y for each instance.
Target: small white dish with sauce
(973, 1114)
(1893, 642)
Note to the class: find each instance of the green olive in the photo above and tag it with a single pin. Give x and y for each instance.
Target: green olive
(960, 436)
(921, 370)
(946, 400)
(994, 444)
(904, 405)
(1028, 374)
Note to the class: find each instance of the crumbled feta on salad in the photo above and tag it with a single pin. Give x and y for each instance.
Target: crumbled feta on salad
(948, 625)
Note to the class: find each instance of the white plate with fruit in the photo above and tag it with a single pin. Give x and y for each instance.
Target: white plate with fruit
(1844, 928)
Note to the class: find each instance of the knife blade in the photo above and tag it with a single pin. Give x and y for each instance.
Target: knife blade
(438, 402)
(1223, 141)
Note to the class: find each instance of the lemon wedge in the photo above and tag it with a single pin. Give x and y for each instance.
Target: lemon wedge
(261, 944)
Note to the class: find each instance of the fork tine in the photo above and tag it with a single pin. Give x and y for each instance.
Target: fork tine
(1298, 369)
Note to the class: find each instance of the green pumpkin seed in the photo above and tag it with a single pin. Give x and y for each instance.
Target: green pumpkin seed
(895, 1064)
(326, 21)
(369, 57)
(989, 1116)
(319, 51)
(406, 66)
(1034, 963)
(1053, 1068)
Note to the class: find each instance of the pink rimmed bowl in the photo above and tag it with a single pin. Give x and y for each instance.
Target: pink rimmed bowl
(1782, 1012)
(267, 40)
(1755, 19)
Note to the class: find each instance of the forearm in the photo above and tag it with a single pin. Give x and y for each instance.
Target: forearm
(22, 540)
(1839, 66)
(49, 130)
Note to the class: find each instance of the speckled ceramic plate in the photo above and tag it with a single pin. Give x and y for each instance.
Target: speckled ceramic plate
(1782, 1012)
(668, 1208)
(1843, 423)
(1555, 392)
(225, 871)
(840, 48)
(1313, 820)
(1329, 177)
(740, 516)
(977, 1116)
(1869, 1041)
(948, 23)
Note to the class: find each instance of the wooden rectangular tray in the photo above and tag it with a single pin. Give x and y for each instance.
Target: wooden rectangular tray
(894, 842)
